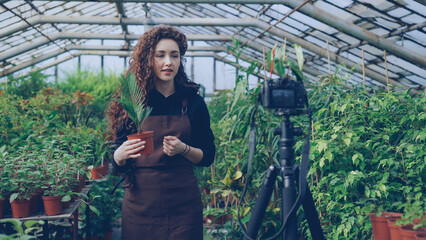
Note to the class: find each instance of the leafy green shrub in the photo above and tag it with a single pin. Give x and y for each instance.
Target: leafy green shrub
(25, 87)
(98, 85)
(367, 155)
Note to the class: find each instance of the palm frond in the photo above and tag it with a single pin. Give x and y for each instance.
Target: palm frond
(131, 99)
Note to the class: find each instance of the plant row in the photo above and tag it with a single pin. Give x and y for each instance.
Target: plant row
(51, 138)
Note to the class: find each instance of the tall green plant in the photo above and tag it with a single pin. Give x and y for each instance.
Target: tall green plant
(131, 98)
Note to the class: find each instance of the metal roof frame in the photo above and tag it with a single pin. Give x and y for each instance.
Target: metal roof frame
(30, 29)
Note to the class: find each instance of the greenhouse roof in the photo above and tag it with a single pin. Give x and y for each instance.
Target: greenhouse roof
(45, 33)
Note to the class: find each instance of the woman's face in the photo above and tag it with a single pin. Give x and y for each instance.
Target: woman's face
(166, 60)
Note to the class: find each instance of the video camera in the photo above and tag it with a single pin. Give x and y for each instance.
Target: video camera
(283, 93)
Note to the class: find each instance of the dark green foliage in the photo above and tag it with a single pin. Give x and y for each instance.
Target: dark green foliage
(99, 86)
(25, 87)
(109, 207)
(367, 155)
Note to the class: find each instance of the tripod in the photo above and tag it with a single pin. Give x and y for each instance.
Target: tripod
(290, 174)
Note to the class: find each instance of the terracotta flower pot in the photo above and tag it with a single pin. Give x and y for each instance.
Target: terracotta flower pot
(408, 233)
(20, 208)
(148, 137)
(380, 225)
(34, 198)
(99, 172)
(420, 236)
(394, 230)
(52, 205)
(2, 200)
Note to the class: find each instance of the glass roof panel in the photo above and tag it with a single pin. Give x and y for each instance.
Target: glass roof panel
(386, 18)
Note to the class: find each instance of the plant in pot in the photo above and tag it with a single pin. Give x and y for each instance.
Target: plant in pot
(4, 183)
(56, 187)
(413, 220)
(102, 154)
(78, 175)
(20, 188)
(36, 178)
(131, 99)
(379, 218)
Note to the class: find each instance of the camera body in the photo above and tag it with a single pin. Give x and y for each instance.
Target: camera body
(283, 93)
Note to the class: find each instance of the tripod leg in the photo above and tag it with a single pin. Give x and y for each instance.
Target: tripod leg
(289, 198)
(312, 216)
(262, 202)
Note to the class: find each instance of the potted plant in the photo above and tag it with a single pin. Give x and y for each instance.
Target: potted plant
(4, 183)
(379, 218)
(19, 186)
(102, 154)
(131, 99)
(413, 220)
(56, 186)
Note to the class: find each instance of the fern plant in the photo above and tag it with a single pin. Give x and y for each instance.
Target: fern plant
(132, 101)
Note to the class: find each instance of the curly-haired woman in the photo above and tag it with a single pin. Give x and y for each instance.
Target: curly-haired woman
(162, 199)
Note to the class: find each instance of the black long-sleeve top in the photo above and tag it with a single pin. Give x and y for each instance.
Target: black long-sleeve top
(199, 118)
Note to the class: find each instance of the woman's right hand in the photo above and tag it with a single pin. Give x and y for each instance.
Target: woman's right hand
(128, 149)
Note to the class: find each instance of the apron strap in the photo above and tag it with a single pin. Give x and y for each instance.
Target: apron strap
(116, 185)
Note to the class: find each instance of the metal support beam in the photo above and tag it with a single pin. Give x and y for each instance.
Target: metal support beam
(346, 26)
(317, 13)
(390, 34)
(122, 14)
(102, 57)
(198, 1)
(214, 75)
(103, 36)
(120, 54)
(105, 50)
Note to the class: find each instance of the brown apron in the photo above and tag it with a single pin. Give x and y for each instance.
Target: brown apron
(163, 201)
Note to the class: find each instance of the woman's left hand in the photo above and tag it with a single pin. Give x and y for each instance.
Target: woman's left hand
(172, 146)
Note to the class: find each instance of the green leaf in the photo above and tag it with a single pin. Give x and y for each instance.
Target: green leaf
(66, 198)
(95, 210)
(322, 162)
(131, 98)
(299, 54)
(296, 71)
(13, 197)
(31, 223)
(239, 89)
(246, 219)
(347, 141)
(355, 158)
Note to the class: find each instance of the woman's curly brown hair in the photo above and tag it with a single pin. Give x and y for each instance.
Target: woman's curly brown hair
(142, 66)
